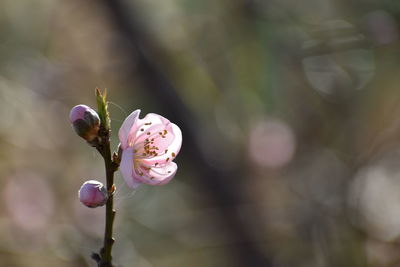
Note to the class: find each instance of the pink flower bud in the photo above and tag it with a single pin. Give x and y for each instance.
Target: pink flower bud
(93, 194)
(85, 122)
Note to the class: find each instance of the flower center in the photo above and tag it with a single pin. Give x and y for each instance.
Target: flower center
(147, 150)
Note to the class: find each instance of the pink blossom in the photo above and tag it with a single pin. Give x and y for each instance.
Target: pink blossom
(149, 145)
(93, 194)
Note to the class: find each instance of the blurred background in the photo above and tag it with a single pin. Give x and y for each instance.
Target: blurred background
(290, 118)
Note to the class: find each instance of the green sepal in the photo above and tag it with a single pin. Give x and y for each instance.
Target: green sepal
(102, 108)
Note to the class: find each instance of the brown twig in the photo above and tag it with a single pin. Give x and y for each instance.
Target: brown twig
(111, 162)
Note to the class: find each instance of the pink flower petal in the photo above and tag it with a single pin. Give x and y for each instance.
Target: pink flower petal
(172, 145)
(149, 126)
(158, 175)
(164, 175)
(127, 127)
(176, 145)
(154, 119)
(126, 168)
(164, 137)
(149, 133)
(77, 112)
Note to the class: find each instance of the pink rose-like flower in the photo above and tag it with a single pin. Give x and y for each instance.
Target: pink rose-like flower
(149, 145)
(93, 194)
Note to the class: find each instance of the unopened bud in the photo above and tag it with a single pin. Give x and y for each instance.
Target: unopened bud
(93, 194)
(85, 122)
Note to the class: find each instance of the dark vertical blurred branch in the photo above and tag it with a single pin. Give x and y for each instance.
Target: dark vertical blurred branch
(161, 89)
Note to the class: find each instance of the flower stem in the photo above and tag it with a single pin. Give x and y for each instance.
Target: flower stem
(110, 212)
(111, 162)
(104, 259)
